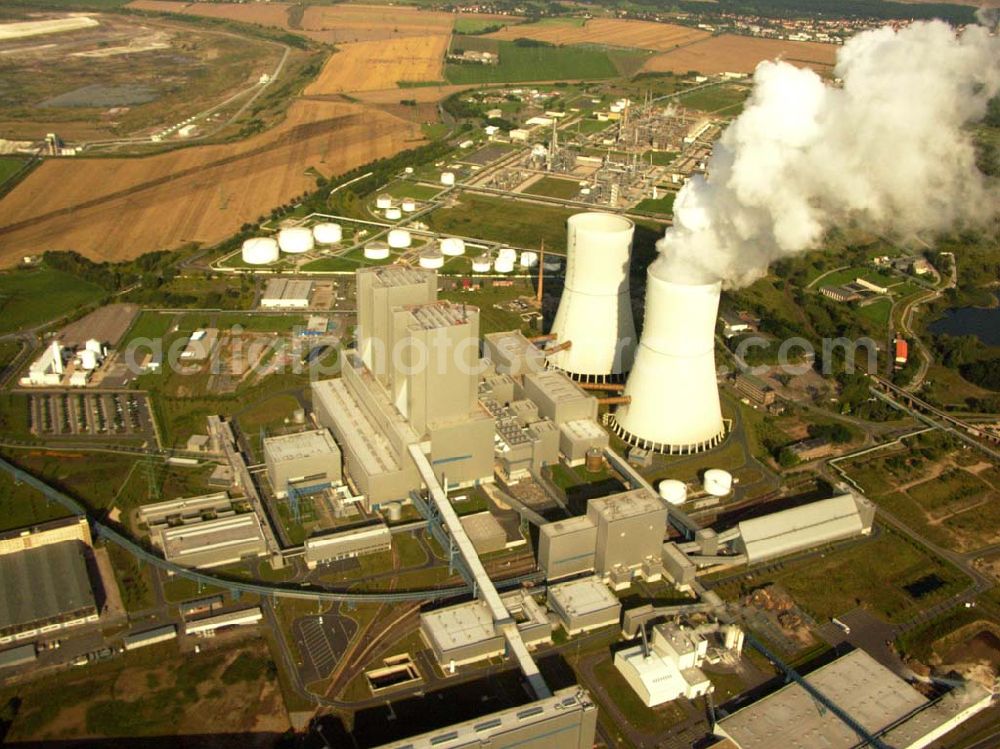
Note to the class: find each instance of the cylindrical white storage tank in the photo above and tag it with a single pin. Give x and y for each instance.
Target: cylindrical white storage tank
(399, 238)
(673, 491)
(376, 251)
(431, 259)
(453, 246)
(595, 311)
(507, 254)
(447, 178)
(409, 205)
(395, 510)
(88, 359)
(260, 251)
(529, 259)
(328, 233)
(93, 345)
(383, 201)
(503, 265)
(675, 399)
(481, 264)
(717, 482)
(393, 214)
(295, 240)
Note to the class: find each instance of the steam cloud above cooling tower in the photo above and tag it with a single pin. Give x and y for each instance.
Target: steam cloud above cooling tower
(887, 151)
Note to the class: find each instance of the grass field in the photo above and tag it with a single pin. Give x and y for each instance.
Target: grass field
(498, 220)
(32, 297)
(664, 205)
(9, 166)
(21, 506)
(726, 100)
(474, 25)
(660, 158)
(536, 64)
(554, 187)
(877, 312)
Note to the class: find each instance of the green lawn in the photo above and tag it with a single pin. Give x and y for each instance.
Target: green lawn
(22, 506)
(35, 296)
(553, 187)
(405, 189)
(500, 220)
(476, 25)
(663, 206)
(877, 312)
(660, 158)
(543, 63)
(9, 166)
(726, 100)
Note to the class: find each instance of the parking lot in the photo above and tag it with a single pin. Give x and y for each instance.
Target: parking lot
(89, 414)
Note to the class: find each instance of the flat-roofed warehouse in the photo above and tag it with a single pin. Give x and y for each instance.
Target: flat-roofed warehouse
(584, 604)
(213, 543)
(566, 547)
(284, 293)
(45, 588)
(805, 527)
(305, 461)
(878, 700)
(462, 634)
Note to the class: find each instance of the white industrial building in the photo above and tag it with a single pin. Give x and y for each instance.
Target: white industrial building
(284, 293)
(47, 369)
(213, 543)
(875, 698)
(595, 310)
(347, 544)
(302, 462)
(209, 625)
(583, 605)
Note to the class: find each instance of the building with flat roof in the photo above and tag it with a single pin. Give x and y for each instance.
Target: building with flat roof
(150, 637)
(755, 389)
(584, 604)
(302, 461)
(512, 353)
(566, 720)
(485, 532)
(579, 436)
(631, 527)
(804, 527)
(462, 634)
(186, 510)
(879, 701)
(213, 543)
(19, 656)
(558, 398)
(347, 543)
(207, 626)
(567, 547)
(285, 293)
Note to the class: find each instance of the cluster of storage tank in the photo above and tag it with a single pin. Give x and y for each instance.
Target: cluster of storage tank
(716, 482)
(391, 211)
(294, 240)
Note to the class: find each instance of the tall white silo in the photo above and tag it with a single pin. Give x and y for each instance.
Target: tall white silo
(595, 312)
(675, 398)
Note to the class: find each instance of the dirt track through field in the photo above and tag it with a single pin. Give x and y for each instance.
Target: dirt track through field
(730, 53)
(113, 209)
(371, 66)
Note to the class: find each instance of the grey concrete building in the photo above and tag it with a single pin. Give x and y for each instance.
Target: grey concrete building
(630, 530)
(579, 436)
(512, 353)
(213, 543)
(558, 398)
(188, 509)
(461, 634)
(346, 544)
(303, 461)
(567, 547)
(584, 604)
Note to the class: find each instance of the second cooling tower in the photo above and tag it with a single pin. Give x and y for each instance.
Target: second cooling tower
(595, 312)
(674, 405)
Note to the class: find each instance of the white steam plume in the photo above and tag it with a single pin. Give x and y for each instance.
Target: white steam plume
(888, 150)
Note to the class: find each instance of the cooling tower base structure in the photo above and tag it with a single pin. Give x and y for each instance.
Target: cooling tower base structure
(674, 406)
(595, 310)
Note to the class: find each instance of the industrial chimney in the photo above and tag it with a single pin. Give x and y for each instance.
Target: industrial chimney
(595, 313)
(674, 404)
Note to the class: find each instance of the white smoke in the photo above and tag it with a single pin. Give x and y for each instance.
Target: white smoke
(889, 150)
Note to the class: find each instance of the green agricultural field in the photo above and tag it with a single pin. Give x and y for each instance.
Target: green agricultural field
(476, 25)
(664, 205)
(724, 100)
(405, 189)
(21, 505)
(36, 296)
(541, 63)
(9, 166)
(151, 325)
(500, 220)
(259, 323)
(849, 275)
(877, 312)
(553, 187)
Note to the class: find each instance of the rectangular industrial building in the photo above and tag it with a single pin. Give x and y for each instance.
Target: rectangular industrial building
(485, 532)
(19, 656)
(669, 669)
(512, 353)
(284, 293)
(461, 634)
(630, 530)
(579, 436)
(302, 461)
(184, 510)
(209, 625)
(878, 700)
(567, 547)
(585, 604)
(566, 720)
(805, 527)
(213, 543)
(150, 637)
(558, 398)
(346, 544)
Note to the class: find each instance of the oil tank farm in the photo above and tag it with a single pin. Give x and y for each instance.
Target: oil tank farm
(595, 313)
(328, 233)
(674, 398)
(295, 240)
(260, 251)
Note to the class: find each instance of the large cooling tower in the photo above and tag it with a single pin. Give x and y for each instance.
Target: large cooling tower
(675, 399)
(595, 312)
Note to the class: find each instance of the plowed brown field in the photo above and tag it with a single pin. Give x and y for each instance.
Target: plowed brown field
(370, 66)
(610, 31)
(113, 209)
(741, 54)
(360, 23)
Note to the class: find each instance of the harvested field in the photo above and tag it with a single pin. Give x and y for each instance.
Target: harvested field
(266, 14)
(362, 23)
(370, 66)
(611, 31)
(741, 54)
(114, 209)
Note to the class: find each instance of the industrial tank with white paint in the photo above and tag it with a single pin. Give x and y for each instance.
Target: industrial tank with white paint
(595, 312)
(376, 251)
(453, 246)
(328, 233)
(399, 238)
(260, 251)
(674, 405)
(295, 240)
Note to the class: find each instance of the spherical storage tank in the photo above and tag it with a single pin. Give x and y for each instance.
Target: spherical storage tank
(673, 491)
(376, 251)
(399, 238)
(453, 246)
(295, 240)
(717, 482)
(431, 259)
(393, 214)
(481, 264)
(328, 233)
(447, 178)
(260, 251)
